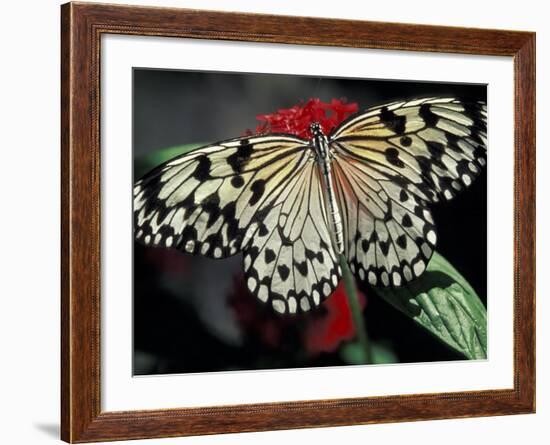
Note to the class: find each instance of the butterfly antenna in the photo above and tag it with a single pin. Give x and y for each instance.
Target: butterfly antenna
(317, 87)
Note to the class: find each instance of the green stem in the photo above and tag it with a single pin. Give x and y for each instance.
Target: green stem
(355, 309)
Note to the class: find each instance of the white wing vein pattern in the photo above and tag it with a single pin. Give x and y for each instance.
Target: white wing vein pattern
(260, 195)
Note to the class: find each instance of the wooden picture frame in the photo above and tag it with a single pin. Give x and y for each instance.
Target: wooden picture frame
(82, 26)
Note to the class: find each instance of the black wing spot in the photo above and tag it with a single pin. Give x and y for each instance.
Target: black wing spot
(406, 221)
(406, 141)
(403, 196)
(237, 181)
(302, 268)
(452, 142)
(428, 115)
(284, 272)
(384, 247)
(262, 230)
(258, 189)
(393, 121)
(188, 204)
(239, 159)
(188, 234)
(401, 241)
(392, 156)
(436, 149)
(399, 180)
(229, 210)
(269, 256)
(211, 205)
(202, 171)
(419, 211)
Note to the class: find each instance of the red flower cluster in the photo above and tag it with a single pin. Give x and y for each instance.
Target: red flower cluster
(297, 119)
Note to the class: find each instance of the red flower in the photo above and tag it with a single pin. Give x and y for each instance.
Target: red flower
(325, 333)
(297, 119)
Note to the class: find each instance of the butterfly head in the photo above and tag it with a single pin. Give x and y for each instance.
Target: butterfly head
(319, 142)
(315, 129)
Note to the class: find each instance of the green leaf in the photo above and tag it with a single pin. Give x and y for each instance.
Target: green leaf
(145, 163)
(445, 304)
(381, 353)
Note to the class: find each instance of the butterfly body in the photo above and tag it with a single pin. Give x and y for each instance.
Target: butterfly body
(324, 156)
(293, 206)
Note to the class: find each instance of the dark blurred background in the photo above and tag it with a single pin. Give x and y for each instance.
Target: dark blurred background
(192, 314)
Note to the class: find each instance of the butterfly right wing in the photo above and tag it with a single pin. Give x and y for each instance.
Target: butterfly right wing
(390, 163)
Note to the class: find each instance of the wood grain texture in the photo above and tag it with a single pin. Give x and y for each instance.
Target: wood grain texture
(82, 26)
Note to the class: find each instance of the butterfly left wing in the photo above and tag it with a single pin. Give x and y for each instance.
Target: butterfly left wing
(260, 195)
(203, 202)
(390, 163)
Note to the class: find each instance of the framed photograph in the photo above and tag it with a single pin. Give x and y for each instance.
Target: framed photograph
(276, 222)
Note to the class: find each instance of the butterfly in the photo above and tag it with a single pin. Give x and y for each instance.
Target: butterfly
(293, 206)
